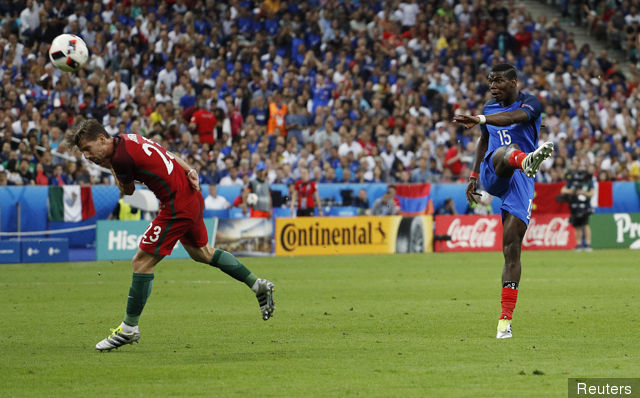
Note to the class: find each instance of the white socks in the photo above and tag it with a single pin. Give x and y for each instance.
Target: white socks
(129, 329)
(255, 286)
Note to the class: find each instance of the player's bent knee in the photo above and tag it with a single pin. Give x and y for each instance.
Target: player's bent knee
(143, 262)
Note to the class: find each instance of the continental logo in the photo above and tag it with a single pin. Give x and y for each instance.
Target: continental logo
(369, 233)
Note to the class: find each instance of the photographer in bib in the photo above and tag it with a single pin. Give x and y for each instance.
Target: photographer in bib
(578, 192)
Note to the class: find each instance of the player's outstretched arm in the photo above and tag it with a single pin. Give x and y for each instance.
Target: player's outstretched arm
(508, 118)
(192, 174)
(496, 119)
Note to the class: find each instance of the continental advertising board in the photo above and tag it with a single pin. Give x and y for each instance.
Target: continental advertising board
(118, 240)
(308, 236)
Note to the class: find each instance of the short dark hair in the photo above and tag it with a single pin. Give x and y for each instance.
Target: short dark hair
(508, 69)
(89, 129)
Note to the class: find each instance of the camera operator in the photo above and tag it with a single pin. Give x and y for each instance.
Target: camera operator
(578, 193)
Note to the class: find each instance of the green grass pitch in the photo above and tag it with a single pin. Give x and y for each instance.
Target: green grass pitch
(368, 326)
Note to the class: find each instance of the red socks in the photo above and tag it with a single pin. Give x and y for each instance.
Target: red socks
(516, 158)
(509, 298)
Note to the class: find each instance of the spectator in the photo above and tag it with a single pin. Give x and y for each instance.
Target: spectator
(296, 121)
(260, 187)
(47, 164)
(362, 202)
(30, 19)
(26, 172)
(453, 160)
(241, 200)
(259, 111)
(124, 211)
(387, 204)
(56, 137)
(203, 122)
(214, 201)
(447, 208)
(344, 76)
(327, 132)
(6, 151)
(111, 128)
(421, 174)
(277, 114)
(305, 196)
(41, 178)
(59, 178)
(232, 178)
(212, 175)
(349, 144)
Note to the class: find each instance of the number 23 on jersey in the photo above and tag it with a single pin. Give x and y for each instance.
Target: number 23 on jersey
(151, 146)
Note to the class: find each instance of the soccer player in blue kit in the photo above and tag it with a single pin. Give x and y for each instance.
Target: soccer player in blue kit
(507, 159)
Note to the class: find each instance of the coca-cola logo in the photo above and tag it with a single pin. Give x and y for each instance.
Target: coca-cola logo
(553, 233)
(481, 234)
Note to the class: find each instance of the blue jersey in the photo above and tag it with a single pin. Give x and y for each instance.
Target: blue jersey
(516, 191)
(524, 134)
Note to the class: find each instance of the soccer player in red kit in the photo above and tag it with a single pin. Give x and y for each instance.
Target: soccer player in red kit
(132, 157)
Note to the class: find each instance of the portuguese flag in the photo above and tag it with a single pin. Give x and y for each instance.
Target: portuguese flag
(70, 203)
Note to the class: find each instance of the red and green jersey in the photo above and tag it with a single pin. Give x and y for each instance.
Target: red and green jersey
(138, 158)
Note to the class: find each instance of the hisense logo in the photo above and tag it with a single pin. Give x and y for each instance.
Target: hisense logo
(122, 240)
(627, 229)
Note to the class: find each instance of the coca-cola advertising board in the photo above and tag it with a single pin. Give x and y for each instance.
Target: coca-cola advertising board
(484, 233)
(469, 233)
(549, 232)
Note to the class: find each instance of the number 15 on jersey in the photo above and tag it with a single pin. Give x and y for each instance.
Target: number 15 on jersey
(505, 138)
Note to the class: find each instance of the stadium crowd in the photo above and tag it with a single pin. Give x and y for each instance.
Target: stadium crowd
(353, 91)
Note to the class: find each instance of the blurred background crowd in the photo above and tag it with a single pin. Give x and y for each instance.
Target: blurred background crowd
(351, 91)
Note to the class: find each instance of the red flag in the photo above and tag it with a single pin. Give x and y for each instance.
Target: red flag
(544, 199)
(605, 194)
(86, 198)
(415, 199)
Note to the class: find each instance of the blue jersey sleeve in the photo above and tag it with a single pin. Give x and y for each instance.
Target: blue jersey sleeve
(531, 106)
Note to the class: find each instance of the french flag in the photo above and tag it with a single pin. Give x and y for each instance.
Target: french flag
(415, 199)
